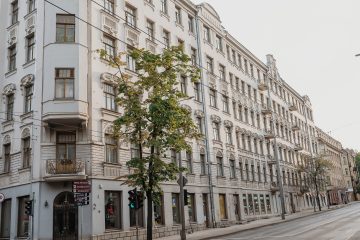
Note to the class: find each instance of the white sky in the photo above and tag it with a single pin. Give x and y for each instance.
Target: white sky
(314, 43)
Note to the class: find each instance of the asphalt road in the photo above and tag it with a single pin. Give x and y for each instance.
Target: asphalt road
(340, 224)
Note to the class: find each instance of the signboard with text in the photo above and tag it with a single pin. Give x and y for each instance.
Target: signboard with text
(82, 190)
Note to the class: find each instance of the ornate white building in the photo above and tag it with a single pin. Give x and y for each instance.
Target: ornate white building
(57, 109)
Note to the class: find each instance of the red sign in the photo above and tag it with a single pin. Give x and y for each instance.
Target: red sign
(81, 187)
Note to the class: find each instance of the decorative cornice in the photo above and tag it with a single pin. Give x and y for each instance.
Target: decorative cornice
(215, 118)
(27, 80)
(109, 78)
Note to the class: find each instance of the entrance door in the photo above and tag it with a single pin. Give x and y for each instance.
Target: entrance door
(205, 209)
(65, 218)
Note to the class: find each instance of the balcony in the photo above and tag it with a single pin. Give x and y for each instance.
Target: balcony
(295, 127)
(269, 134)
(292, 107)
(265, 109)
(298, 147)
(274, 187)
(262, 86)
(59, 170)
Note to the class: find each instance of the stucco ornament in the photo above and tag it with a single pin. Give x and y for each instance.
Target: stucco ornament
(7, 140)
(228, 123)
(9, 89)
(109, 78)
(25, 133)
(215, 118)
(27, 80)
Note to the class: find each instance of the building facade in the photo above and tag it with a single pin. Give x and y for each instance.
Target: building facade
(58, 105)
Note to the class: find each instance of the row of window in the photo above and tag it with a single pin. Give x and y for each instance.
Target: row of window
(14, 14)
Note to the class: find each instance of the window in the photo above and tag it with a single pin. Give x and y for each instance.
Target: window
(193, 56)
(225, 103)
(30, 47)
(203, 164)
(232, 168)
(175, 157)
(207, 35)
(159, 211)
(212, 93)
(109, 95)
(164, 8)
(241, 170)
(222, 72)
(166, 38)
(256, 203)
(191, 24)
(258, 174)
(245, 205)
(247, 172)
(219, 45)
(253, 172)
(250, 204)
(31, 5)
(197, 92)
(113, 210)
(130, 61)
(7, 157)
(65, 146)
(178, 19)
(65, 28)
(268, 204)
(150, 29)
(12, 58)
(110, 149)
(109, 5)
(228, 135)
(222, 206)
(134, 151)
(220, 167)
(209, 64)
(233, 54)
(183, 85)
(23, 218)
(5, 222)
(199, 123)
(246, 66)
(26, 152)
(64, 83)
(14, 12)
(9, 107)
(175, 207)
(240, 113)
(189, 161)
(191, 207)
(109, 46)
(216, 131)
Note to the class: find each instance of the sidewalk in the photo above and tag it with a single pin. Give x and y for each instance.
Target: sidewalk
(217, 232)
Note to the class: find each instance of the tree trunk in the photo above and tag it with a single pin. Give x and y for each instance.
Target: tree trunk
(149, 215)
(149, 196)
(317, 194)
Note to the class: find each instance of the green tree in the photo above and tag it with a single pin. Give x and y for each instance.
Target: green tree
(153, 117)
(316, 170)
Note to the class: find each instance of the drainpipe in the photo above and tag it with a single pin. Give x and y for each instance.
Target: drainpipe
(208, 159)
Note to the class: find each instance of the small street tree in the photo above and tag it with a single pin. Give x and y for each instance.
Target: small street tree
(316, 171)
(153, 117)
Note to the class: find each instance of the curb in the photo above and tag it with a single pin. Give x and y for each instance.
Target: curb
(272, 224)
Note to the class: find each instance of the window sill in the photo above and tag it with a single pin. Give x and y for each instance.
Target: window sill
(179, 25)
(107, 164)
(3, 174)
(110, 112)
(221, 177)
(22, 170)
(165, 15)
(12, 25)
(26, 115)
(146, 3)
(64, 99)
(29, 63)
(11, 72)
(8, 123)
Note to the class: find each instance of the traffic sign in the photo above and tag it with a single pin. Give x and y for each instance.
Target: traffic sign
(184, 181)
(2, 197)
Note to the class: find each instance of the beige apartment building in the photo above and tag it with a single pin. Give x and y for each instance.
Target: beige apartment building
(58, 105)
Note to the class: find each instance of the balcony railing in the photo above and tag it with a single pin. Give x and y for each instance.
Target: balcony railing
(65, 169)
(262, 86)
(295, 127)
(269, 134)
(292, 107)
(265, 109)
(298, 147)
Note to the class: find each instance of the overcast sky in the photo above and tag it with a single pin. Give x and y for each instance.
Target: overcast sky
(314, 43)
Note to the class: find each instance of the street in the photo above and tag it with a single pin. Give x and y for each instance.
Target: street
(340, 224)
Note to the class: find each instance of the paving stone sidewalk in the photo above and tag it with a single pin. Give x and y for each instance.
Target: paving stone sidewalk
(217, 232)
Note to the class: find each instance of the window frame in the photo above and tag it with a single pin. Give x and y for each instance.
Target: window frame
(66, 26)
(70, 78)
